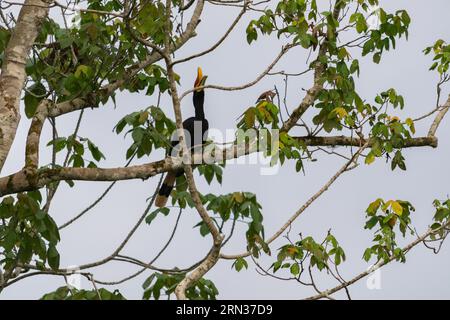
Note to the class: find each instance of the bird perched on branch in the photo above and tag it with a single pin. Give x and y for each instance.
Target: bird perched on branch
(266, 96)
(195, 131)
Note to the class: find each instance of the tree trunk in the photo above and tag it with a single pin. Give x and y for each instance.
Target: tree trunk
(13, 74)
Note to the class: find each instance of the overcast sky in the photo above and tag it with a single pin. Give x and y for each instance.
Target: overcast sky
(341, 208)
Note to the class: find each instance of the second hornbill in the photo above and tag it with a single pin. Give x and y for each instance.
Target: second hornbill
(195, 130)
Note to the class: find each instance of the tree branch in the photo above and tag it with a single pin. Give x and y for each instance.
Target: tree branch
(48, 109)
(218, 43)
(335, 141)
(312, 93)
(210, 261)
(288, 223)
(283, 51)
(378, 265)
(25, 181)
(13, 75)
(439, 117)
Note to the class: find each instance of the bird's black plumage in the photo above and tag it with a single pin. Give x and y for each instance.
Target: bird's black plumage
(197, 126)
(195, 130)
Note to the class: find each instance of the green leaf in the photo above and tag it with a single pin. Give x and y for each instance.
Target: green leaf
(397, 208)
(249, 118)
(148, 281)
(252, 35)
(370, 158)
(367, 254)
(83, 70)
(298, 165)
(165, 211)
(204, 229)
(371, 223)
(77, 160)
(70, 183)
(374, 206)
(354, 67)
(40, 214)
(95, 151)
(58, 143)
(78, 147)
(53, 257)
(33, 96)
(342, 53)
(295, 269)
(240, 263)
(441, 214)
(36, 195)
(151, 217)
(377, 57)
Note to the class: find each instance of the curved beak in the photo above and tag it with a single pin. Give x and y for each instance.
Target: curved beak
(201, 79)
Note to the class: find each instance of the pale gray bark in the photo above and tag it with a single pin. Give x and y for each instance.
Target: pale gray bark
(13, 75)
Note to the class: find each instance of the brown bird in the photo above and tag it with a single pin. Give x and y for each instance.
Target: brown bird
(266, 96)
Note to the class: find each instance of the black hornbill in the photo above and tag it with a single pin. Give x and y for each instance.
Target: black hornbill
(195, 130)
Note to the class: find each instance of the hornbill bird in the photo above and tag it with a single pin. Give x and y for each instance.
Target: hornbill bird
(195, 130)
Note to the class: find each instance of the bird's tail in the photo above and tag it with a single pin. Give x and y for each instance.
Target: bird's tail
(165, 190)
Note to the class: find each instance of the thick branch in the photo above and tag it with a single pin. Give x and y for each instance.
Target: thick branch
(335, 141)
(26, 181)
(312, 93)
(13, 74)
(186, 165)
(21, 181)
(46, 109)
(439, 117)
(213, 256)
(198, 272)
(307, 102)
(133, 70)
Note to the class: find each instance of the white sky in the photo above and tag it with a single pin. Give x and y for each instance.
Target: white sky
(341, 208)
